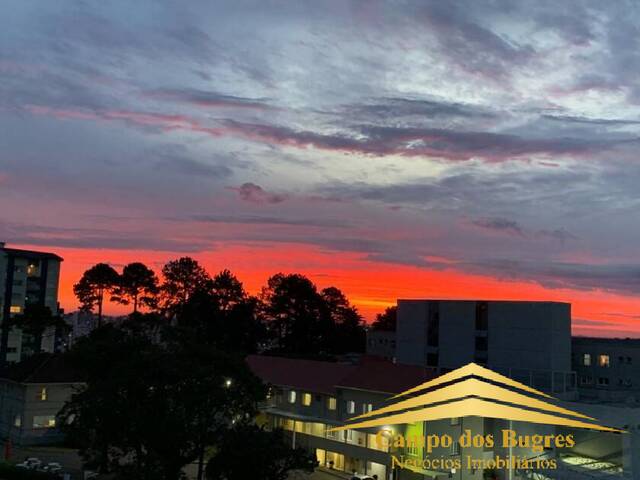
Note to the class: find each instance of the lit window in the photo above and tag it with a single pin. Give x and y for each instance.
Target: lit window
(603, 360)
(44, 421)
(306, 399)
(367, 407)
(43, 394)
(351, 406)
(586, 359)
(17, 421)
(15, 309)
(292, 396)
(331, 403)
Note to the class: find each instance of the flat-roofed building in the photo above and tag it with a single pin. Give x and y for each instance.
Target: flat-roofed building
(32, 393)
(527, 341)
(26, 277)
(608, 369)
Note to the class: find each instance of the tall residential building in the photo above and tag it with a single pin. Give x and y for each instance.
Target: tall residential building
(26, 278)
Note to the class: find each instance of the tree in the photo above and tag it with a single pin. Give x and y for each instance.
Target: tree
(272, 458)
(386, 321)
(292, 309)
(345, 323)
(223, 315)
(182, 278)
(92, 287)
(148, 409)
(228, 290)
(138, 285)
(34, 321)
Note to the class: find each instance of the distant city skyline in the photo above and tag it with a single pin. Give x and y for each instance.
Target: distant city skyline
(416, 149)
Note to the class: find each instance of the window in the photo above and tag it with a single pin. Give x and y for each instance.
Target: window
(15, 309)
(586, 359)
(42, 395)
(433, 324)
(292, 396)
(629, 360)
(17, 421)
(331, 403)
(351, 406)
(603, 360)
(603, 381)
(44, 421)
(367, 407)
(586, 380)
(306, 399)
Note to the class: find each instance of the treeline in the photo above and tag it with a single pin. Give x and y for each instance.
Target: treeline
(289, 316)
(169, 385)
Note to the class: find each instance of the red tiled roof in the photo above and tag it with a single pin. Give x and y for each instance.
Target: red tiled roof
(312, 375)
(371, 374)
(379, 375)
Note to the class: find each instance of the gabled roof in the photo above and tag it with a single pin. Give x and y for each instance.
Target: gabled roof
(42, 368)
(371, 374)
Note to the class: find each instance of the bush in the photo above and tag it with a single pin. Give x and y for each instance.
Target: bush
(11, 472)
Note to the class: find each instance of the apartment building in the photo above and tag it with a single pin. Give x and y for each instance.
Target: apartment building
(308, 398)
(32, 393)
(608, 369)
(26, 277)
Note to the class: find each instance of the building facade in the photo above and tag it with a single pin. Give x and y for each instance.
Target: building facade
(31, 395)
(608, 369)
(26, 277)
(309, 398)
(381, 343)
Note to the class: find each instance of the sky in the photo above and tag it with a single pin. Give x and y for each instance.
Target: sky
(399, 149)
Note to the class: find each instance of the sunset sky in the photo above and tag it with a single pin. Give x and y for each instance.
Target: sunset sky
(474, 149)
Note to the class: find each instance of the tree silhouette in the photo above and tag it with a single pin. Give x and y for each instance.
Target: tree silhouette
(386, 321)
(34, 321)
(182, 278)
(148, 409)
(272, 457)
(292, 309)
(138, 285)
(345, 323)
(94, 284)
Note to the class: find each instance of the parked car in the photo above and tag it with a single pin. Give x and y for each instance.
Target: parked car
(52, 467)
(31, 463)
(361, 477)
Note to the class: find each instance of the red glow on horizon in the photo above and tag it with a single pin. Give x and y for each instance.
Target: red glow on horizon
(371, 286)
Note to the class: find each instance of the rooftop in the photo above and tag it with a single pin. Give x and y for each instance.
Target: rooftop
(42, 368)
(370, 373)
(16, 252)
